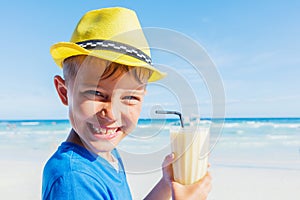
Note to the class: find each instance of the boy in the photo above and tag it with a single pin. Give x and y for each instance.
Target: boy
(106, 67)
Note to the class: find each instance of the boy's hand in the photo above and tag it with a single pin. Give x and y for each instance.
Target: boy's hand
(198, 190)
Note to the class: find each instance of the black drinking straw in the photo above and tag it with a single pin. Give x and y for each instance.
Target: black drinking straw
(172, 113)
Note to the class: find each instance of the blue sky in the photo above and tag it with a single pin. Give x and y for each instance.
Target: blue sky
(255, 46)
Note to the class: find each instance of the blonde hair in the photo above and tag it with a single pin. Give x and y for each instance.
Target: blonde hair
(72, 64)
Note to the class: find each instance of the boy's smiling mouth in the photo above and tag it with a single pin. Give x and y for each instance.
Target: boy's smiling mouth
(104, 132)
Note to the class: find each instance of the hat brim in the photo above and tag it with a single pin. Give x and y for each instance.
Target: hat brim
(63, 50)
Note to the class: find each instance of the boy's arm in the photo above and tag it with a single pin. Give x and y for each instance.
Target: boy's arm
(162, 190)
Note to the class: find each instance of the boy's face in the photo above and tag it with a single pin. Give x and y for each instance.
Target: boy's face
(102, 112)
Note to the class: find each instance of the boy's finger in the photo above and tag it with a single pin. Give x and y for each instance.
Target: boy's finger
(168, 159)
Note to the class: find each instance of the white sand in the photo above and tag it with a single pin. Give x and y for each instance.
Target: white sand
(255, 184)
(22, 180)
(237, 184)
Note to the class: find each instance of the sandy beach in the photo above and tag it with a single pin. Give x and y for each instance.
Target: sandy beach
(22, 180)
(258, 184)
(237, 184)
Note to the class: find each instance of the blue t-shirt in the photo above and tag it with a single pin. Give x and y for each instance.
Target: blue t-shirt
(73, 172)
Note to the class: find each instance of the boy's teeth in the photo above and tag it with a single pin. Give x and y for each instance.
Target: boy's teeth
(104, 131)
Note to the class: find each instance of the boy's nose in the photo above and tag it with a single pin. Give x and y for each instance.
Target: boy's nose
(107, 113)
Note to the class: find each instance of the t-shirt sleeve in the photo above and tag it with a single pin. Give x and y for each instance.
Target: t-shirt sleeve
(77, 185)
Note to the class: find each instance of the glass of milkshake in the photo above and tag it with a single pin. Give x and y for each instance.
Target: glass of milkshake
(190, 144)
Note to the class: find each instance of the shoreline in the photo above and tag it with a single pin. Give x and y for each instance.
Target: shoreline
(175, 118)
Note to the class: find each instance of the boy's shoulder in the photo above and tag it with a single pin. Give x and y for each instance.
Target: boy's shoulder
(65, 159)
(70, 157)
(72, 165)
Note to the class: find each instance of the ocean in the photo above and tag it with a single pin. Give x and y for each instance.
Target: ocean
(272, 143)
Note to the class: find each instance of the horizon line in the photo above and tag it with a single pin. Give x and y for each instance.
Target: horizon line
(173, 118)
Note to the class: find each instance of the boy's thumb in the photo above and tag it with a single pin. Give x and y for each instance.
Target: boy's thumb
(168, 160)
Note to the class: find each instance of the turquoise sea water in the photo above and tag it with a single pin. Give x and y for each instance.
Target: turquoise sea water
(247, 142)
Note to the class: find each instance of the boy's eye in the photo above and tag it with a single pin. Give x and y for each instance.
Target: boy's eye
(95, 93)
(131, 100)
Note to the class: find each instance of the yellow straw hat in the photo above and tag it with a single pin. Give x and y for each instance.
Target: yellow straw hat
(112, 34)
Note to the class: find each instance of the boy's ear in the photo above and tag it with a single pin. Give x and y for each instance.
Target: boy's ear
(61, 89)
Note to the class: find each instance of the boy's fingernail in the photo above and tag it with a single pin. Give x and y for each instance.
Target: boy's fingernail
(172, 155)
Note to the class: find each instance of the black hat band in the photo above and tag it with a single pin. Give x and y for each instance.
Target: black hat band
(116, 47)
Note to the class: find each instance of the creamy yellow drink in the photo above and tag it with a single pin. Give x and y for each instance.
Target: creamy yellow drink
(190, 146)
